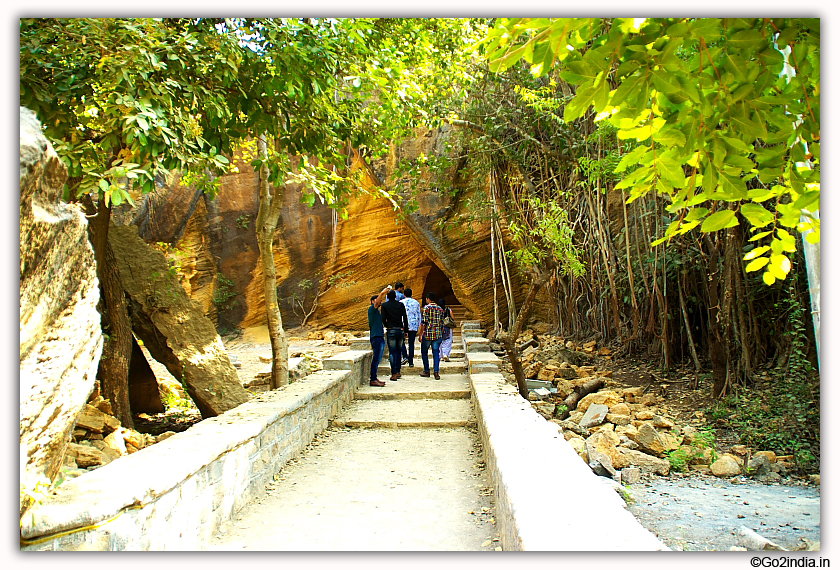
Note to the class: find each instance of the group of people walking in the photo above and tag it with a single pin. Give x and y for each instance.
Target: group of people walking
(399, 320)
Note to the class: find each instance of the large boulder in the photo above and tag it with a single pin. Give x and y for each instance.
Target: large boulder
(60, 334)
(647, 463)
(173, 327)
(607, 398)
(726, 466)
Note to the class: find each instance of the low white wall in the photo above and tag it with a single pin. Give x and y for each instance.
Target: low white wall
(531, 465)
(176, 494)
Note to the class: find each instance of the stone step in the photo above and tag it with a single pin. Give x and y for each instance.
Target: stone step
(450, 386)
(406, 414)
(364, 344)
(451, 367)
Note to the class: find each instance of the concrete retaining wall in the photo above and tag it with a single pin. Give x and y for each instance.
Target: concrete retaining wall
(529, 461)
(176, 494)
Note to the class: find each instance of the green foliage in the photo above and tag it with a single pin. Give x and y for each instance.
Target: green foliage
(243, 221)
(681, 458)
(127, 99)
(223, 292)
(124, 100)
(724, 111)
(550, 236)
(784, 415)
(171, 401)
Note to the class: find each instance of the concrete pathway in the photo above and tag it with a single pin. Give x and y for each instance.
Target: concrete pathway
(399, 469)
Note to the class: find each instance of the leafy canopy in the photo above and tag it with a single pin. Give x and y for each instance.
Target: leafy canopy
(124, 98)
(725, 114)
(135, 98)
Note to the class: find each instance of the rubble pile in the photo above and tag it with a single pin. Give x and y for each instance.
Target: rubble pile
(623, 432)
(98, 438)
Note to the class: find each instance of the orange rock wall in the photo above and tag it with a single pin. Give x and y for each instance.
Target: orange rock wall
(373, 247)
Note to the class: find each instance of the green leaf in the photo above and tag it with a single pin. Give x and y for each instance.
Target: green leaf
(665, 82)
(719, 220)
(579, 105)
(507, 60)
(670, 136)
(696, 214)
(747, 39)
(756, 264)
(756, 252)
(671, 170)
(632, 85)
(633, 157)
(757, 215)
(731, 187)
(761, 235)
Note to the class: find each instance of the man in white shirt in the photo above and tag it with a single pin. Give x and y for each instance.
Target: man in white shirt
(413, 310)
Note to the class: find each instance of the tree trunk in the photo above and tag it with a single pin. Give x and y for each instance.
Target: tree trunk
(511, 347)
(572, 399)
(116, 353)
(267, 219)
(718, 353)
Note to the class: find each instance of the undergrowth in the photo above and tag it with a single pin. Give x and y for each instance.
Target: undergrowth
(782, 413)
(681, 458)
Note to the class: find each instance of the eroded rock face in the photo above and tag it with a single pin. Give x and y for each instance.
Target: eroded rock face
(173, 327)
(60, 335)
(371, 248)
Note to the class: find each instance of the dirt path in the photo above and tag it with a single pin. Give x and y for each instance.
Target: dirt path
(380, 488)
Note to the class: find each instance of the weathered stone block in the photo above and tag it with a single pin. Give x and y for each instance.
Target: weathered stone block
(594, 415)
(631, 475)
(646, 462)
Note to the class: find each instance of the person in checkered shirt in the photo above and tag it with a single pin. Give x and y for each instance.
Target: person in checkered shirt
(431, 334)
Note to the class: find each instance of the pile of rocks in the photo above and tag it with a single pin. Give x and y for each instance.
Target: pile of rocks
(764, 466)
(99, 438)
(332, 337)
(622, 432)
(301, 364)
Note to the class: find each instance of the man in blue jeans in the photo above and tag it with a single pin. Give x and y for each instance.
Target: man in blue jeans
(377, 335)
(431, 334)
(415, 315)
(395, 321)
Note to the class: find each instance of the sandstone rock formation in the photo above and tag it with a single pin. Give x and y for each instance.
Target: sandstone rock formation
(173, 327)
(60, 335)
(427, 249)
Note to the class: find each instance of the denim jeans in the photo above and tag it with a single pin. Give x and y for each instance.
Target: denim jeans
(424, 352)
(408, 348)
(395, 348)
(377, 343)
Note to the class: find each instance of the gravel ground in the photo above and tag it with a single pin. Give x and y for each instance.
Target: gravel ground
(704, 513)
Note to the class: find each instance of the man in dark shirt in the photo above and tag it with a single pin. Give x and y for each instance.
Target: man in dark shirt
(377, 335)
(395, 321)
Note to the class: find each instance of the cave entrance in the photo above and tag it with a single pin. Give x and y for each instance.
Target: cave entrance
(439, 284)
